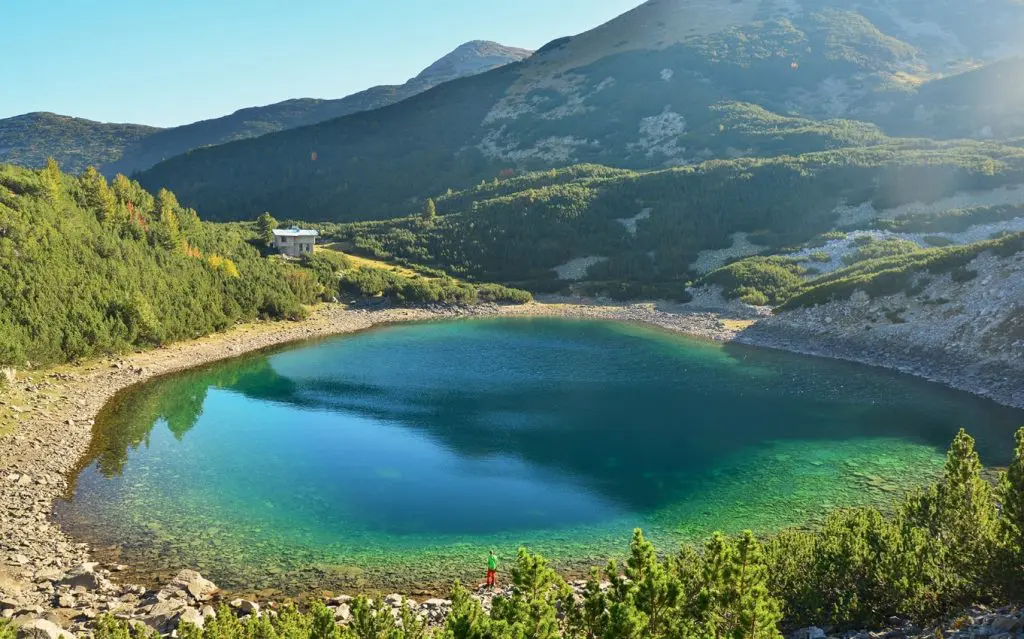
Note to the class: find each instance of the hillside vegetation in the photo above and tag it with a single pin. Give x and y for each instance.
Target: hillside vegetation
(938, 550)
(76, 143)
(516, 230)
(90, 268)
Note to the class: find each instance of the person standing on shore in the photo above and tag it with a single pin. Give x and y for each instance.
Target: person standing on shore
(492, 569)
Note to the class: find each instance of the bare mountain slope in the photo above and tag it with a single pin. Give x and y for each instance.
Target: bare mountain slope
(672, 82)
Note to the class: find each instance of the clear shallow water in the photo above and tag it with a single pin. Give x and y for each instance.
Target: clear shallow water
(395, 458)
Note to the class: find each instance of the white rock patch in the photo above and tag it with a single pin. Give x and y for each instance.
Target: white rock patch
(660, 134)
(709, 260)
(552, 149)
(631, 222)
(576, 269)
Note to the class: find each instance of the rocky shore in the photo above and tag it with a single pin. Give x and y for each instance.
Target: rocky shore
(48, 583)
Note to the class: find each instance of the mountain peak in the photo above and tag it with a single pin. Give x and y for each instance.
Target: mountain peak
(470, 58)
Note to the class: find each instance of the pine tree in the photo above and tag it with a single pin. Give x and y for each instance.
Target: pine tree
(1011, 524)
(655, 593)
(959, 513)
(430, 211)
(53, 180)
(537, 592)
(98, 195)
(467, 619)
(265, 225)
(757, 612)
(167, 232)
(715, 600)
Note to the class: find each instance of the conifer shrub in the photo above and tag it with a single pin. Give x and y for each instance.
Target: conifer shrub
(871, 249)
(770, 280)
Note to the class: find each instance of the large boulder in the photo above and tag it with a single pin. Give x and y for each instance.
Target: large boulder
(43, 629)
(811, 632)
(164, 615)
(245, 606)
(343, 613)
(191, 616)
(84, 576)
(200, 588)
(11, 582)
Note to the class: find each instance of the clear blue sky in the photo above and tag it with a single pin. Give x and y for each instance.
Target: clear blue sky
(171, 62)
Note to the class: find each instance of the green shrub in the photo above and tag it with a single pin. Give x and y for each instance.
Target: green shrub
(6, 632)
(873, 249)
(752, 296)
(821, 257)
(921, 283)
(499, 293)
(963, 274)
(770, 278)
(369, 281)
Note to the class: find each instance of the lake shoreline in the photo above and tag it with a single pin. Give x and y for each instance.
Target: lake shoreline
(54, 411)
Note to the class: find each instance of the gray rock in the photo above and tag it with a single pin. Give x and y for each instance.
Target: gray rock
(393, 600)
(86, 580)
(43, 629)
(245, 606)
(192, 616)
(1007, 623)
(342, 613)
(209, 612)
(49, 574)
(811, 632)
(437, 603)
(200, 588)
(163, 616)
(340, 599)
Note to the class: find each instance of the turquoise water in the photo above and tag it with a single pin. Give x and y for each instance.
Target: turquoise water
(396, 458)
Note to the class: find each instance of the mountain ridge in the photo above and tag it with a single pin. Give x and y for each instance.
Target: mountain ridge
(127, 148)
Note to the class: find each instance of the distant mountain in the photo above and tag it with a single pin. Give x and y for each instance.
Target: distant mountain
(672, 82)
(125, 148)
(27, 140)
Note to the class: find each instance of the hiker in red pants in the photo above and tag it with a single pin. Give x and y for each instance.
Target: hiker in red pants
(492, 569)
